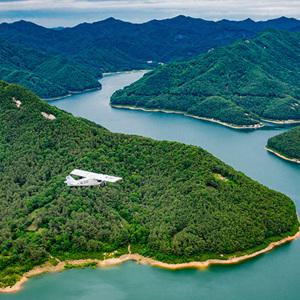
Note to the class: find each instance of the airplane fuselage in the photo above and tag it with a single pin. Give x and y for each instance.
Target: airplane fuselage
(89, 178)
(70, 181)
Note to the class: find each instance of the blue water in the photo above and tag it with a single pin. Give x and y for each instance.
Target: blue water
(272, 276)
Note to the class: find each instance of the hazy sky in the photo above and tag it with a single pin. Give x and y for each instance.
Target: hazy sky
(70, 12)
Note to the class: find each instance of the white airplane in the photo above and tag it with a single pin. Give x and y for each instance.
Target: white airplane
(89, 178)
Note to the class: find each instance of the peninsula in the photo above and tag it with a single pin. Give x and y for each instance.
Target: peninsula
(286, 145)
(229, 85)
(176, 203)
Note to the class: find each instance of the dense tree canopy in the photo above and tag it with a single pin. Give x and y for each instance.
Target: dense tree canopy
(175, 203)
(47, 75)
(287, 143)
(238, 84)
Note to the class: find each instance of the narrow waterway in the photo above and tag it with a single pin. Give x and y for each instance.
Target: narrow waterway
(243, 150)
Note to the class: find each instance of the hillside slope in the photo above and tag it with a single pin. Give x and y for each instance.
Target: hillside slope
(175, 203)
(287, 144)
(239, 84)
(47, 75)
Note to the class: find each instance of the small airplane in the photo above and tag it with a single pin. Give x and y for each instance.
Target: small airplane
(89, 179)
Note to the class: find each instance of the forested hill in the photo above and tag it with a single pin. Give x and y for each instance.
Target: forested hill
(47, 75)
(175, 202)
(114, 45)
(287, 143)
(239, 84)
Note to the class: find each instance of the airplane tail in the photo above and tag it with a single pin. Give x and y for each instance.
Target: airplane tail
(70, 181)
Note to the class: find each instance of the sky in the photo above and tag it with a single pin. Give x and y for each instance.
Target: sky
(54, 13)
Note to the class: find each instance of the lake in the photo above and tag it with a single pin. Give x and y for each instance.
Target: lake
(271, 276)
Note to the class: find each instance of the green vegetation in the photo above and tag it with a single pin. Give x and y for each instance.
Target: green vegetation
(72, 59)
(47, 75)
(238, 84)
(287, 143)
(175, 203)
(80, 266)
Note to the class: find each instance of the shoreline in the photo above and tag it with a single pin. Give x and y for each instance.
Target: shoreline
(282, 122)
(125, 72)
(212, 120)
(71, 93)
(110, 262)
(294, 160)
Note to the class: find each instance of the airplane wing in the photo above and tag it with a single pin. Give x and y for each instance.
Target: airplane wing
(97, 176)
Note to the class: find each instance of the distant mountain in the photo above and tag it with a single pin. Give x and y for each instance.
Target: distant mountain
(239, 84)
(176, 203)
(296, 29)
(163, 40)
(58, 28)
(114, 45)
(287, 144)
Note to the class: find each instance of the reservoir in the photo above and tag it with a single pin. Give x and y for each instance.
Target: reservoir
(271, 276)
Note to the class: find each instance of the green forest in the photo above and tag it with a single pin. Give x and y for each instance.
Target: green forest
(176, 202)
(287, 143)
(241, 84)
(47, 75)
(53, 62)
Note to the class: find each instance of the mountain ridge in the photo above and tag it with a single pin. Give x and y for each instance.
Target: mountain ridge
(115, 45)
